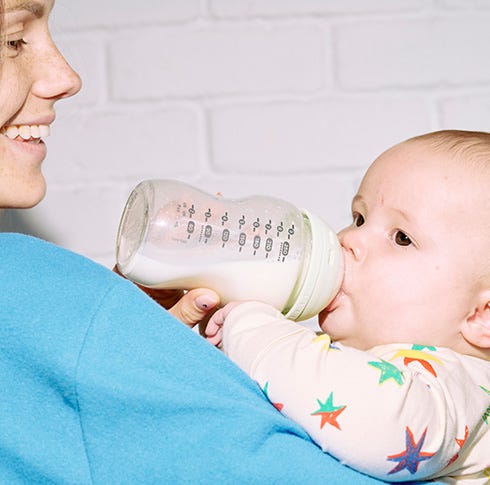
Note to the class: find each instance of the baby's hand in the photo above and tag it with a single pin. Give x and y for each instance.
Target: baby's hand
(214, 328)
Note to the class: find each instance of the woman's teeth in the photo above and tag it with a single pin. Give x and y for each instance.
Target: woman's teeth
(26, 132)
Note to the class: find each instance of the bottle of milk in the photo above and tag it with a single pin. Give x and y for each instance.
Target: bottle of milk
(173, 235)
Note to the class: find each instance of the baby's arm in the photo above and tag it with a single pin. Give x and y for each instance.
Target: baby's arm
(376, 415)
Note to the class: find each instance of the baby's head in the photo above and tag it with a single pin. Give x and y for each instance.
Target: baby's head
(417, 254)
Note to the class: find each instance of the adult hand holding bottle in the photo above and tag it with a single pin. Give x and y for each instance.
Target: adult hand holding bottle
(191, 307)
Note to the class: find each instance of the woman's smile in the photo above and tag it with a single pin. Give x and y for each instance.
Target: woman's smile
(26, 141)
(26, 132)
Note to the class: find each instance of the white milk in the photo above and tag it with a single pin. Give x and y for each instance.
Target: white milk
(271, 282)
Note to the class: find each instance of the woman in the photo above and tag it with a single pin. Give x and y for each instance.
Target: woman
(98, 382)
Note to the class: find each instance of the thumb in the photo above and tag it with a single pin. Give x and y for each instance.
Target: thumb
(195, 305)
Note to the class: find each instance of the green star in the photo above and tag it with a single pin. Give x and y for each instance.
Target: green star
(388, 371)
(486, 414)
(422, 347)
(328, 412)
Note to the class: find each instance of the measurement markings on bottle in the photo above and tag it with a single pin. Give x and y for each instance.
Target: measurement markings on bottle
(225, 237)
(242, 239)
(208, 232)
(256, 244)
(191, 225)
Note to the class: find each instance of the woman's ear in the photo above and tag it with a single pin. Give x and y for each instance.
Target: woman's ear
(476, 327)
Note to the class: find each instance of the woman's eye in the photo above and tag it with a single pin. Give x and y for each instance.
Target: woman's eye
(358, 220)
(15, 45)
(402, 239)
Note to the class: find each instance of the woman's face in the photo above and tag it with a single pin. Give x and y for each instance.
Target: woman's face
(33, 76)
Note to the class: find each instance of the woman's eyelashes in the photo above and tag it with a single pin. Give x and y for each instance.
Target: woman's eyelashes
(15, 45)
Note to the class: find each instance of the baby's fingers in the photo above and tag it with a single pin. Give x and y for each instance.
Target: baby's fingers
(214, 328)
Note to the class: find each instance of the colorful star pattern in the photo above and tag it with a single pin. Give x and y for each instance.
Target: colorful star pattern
(388, 371)
(328, 412)
(460, 442)
(415, 354)
(422, 347)
(411, 457)
(323, 339)
(486, 414)
(279, 406)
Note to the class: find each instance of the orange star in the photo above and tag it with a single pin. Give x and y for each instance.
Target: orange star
(279, 406)
(328, 412)
(460, 442)
(418, 356)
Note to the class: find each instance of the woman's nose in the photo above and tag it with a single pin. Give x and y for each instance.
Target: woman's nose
(353, 240)
(55, 78)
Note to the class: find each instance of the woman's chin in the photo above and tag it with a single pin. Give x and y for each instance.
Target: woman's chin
(23, 195)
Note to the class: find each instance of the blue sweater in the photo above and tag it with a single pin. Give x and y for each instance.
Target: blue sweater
(98, 384)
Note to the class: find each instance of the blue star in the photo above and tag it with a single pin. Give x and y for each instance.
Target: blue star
(412, 456)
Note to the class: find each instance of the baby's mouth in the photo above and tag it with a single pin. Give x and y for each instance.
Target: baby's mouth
(26, 133)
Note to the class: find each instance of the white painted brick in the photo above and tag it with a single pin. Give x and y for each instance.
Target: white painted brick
(464, 4)
(468, 113)
(414, 52)
(77, 14)
(124, 145)
(217, 60)
(311, 137)
(250, 8)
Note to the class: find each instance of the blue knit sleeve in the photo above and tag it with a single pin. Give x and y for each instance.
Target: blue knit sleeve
(157, 403)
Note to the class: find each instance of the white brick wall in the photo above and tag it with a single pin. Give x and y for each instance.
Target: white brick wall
(292, 98)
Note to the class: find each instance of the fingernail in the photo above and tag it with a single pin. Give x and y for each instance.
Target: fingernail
(205, 301)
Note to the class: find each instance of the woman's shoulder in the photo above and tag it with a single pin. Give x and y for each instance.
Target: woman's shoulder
(23, 256)
(50, 296)
(39, 278)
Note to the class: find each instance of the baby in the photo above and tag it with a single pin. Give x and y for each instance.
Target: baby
(398, 384)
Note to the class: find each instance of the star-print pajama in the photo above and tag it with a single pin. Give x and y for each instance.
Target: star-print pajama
(398, 412)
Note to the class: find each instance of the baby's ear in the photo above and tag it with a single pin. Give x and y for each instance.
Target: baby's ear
(476, 328)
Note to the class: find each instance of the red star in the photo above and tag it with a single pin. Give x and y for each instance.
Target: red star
(423, 362)
(328, 412)
(279, 406)
(460, 442)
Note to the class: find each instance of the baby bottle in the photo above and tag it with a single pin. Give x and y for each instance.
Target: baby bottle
(173, 235)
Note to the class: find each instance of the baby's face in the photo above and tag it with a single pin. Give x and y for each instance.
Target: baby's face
(412, 253)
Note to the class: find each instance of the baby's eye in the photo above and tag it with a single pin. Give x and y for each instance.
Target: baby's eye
(358, 219)
(402, 239)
